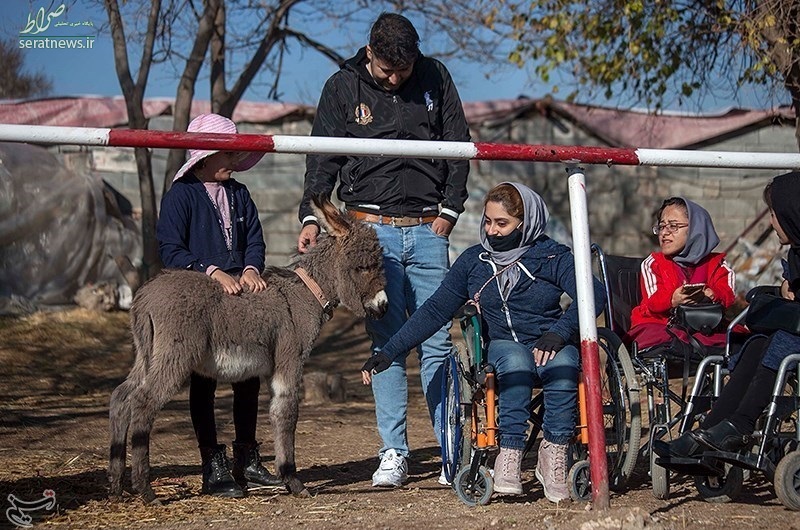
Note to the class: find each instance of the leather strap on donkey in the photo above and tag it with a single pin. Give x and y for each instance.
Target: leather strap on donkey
(327, 305)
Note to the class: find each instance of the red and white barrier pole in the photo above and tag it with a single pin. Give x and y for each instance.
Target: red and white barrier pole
(590, 353)
(452, 150)
(396, 148)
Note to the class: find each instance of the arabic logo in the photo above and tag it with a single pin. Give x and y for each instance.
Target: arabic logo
(18, 513)
(37, 25)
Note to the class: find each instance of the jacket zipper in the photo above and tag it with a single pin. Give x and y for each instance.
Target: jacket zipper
(504, 308)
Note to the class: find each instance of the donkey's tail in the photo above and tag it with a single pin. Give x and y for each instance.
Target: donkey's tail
(142, 330)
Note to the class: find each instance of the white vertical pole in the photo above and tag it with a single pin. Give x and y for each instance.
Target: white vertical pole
(581, 247)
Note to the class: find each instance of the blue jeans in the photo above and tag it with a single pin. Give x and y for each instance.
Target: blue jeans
(518, 375)
(416, 261)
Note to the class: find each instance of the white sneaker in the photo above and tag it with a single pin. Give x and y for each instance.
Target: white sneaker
(392, 472)
(443, 479)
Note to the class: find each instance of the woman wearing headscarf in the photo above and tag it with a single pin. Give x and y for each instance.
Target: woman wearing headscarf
(733, 417)
(684, 272)
(517, 276)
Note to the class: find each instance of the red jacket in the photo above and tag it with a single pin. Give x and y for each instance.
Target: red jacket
(661, 277)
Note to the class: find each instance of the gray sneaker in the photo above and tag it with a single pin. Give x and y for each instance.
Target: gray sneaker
(551, 470)
(507, 467)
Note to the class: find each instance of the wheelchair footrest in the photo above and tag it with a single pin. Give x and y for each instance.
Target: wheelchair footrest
(692, 466)
(743, 460)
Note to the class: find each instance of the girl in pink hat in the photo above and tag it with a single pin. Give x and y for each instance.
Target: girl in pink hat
(209, 224)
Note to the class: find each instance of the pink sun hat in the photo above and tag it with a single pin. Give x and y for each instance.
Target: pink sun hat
(214, 123)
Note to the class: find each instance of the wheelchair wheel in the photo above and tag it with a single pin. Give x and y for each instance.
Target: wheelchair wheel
(621, 409)
(659, 477)
(580, 485)
(721, 489)
(455, 424)
(787, 480)
(477, 494)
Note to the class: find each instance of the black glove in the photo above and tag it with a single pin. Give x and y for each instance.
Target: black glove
(377, 363)
(549, 342)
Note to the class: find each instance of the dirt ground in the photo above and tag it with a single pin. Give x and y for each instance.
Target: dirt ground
(58, 369)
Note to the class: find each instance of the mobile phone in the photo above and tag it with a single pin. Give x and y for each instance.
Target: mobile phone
(693, 289)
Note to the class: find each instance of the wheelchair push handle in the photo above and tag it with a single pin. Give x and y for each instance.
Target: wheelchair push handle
(467, 311)
(758, 290)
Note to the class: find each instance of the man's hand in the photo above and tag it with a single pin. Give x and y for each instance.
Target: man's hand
(786, 292)
(253, 280)
(308, 238)
(547, 347)
(441, 227)
(375, 364)
(229, 285)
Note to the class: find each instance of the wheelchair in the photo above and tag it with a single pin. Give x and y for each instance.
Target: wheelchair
(775, 445)
(666, 409)
(469, 417)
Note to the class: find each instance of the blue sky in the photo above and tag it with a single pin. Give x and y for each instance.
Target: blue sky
(92, 71)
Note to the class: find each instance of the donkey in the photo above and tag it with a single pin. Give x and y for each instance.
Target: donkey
(182, 321)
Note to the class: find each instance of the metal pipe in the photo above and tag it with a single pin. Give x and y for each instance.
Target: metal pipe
(590, 353)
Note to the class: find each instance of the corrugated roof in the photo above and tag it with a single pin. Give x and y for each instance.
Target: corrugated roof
(615, 127)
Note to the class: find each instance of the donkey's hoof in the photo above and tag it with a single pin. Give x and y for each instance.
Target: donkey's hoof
(149, 498)
(303, 494)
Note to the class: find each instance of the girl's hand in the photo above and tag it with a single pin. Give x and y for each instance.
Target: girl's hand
(689, 294)
(709, 293)
(252, 279)
(229, 285)
(547, 347)
(680, 297)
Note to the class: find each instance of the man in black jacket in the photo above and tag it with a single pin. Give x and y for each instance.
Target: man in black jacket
(390, 90)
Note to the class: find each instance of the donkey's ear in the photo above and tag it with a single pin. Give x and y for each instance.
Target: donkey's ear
(331, 218)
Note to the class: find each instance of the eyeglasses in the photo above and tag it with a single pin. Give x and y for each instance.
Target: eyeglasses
(669, 228)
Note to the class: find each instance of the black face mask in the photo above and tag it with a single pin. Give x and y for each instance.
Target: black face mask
(505, 243)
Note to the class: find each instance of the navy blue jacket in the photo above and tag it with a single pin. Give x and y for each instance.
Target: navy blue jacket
(189, 232)
(533, 305)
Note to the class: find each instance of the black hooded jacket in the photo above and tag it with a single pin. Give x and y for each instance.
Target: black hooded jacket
(425, 107)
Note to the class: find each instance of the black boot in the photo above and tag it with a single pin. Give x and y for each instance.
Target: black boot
(684, 446)
(723, 436)
(217, 478)
(247, 468)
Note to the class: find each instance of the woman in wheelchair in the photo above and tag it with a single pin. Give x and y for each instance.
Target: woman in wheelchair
(684, 272)
(733, 416)
(516, 277)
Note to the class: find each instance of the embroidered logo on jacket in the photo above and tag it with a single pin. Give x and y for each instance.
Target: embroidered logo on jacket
(363, 114)
(428, 101)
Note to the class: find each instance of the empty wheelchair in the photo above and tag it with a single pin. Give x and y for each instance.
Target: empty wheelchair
(469, 418)
(667, 409)
(774, 446)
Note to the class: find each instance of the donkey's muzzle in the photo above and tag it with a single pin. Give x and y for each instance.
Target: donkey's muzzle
(377, 306)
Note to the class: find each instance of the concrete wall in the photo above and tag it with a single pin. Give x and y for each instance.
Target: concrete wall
(622, 200)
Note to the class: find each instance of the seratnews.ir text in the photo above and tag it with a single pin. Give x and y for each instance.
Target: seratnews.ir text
(57, 43)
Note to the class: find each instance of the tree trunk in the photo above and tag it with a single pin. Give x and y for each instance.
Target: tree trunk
(217, 78)
(134, 99)
(223, 101)
(185, 92)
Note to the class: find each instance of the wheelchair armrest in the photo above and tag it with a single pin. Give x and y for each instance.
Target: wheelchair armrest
(466, 311)
(762, 289)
